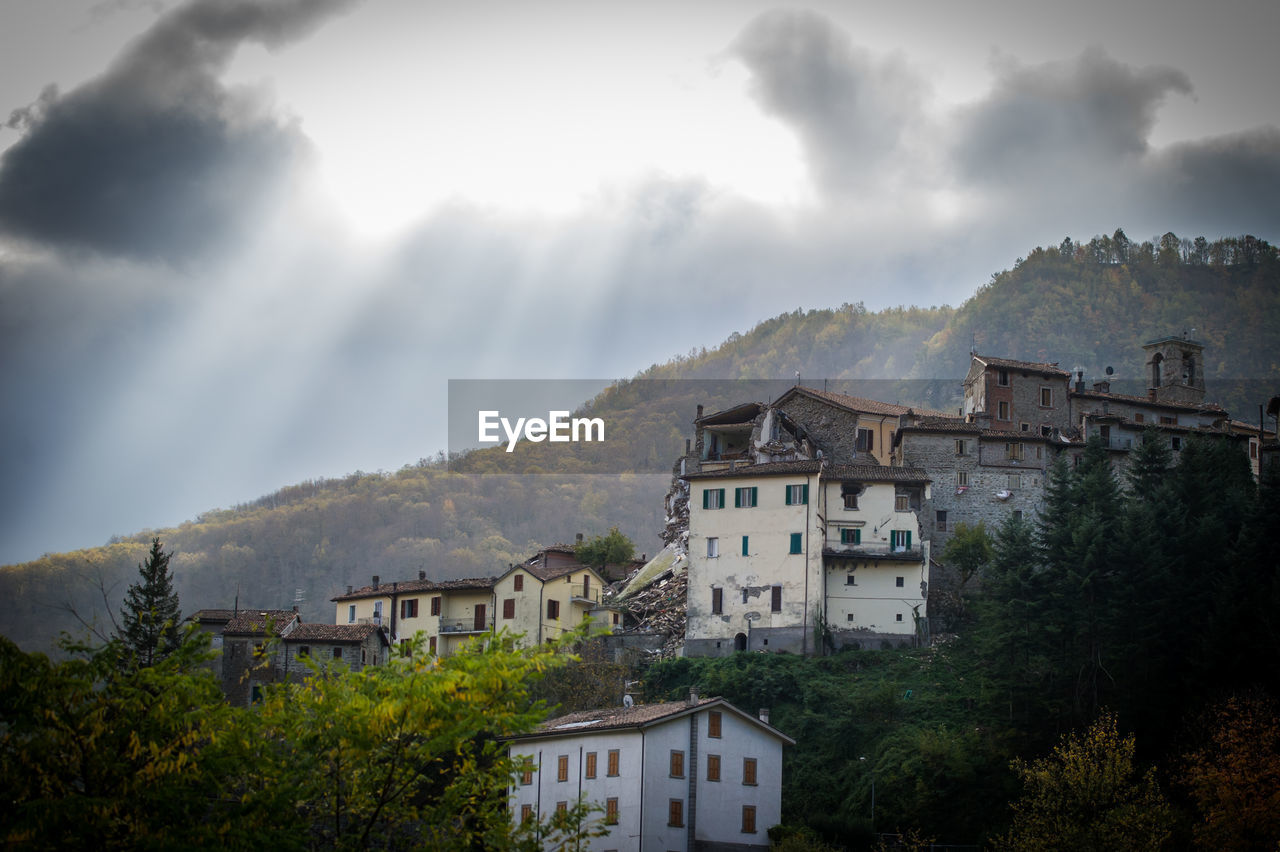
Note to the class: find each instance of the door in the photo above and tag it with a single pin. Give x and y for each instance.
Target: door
(480, 619)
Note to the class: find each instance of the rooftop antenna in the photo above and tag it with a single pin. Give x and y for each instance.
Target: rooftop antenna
(797, 377)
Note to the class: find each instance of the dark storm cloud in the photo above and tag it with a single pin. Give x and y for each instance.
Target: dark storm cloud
(850, 109)
(1063, 118)
(1233, 180)
(156, 158)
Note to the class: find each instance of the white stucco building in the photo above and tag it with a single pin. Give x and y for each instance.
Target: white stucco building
(689, 776)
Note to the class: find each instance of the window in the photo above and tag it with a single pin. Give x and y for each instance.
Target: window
(562, 768)
(713, 724)
(406, 648)
(337, 653)
(562, 807)
(850, 492)
(962, 479)
(1002, 410)
(797, 495)
(1168, 421)
(901, 503)
(865, 441)
(1015, 481)
(713, 767)
(613, 763)
(351, 614)
(677, 764)
(851, 535)
(526, 813)
(797, 542)
(745, 498)
(899, 540)
(435, 605)
(591, 764)
(1138, 417)
(526, 777)
(850, 581)
(1045, 432)
(775, 602)
(749, 771)
(517, 583)
(748, 819)
(959, 446)
(941, 520)
(611, 811)
(713, 498)
(553, 610)
(900, 582)
(509, 608)
(409, 608)
(1175, 443)
(1002, 378)
(1025, 427)
(431, 644)
(713, 547)
(1046, 397)
(377, 612)
(1253, 449)
(898, 617)
(717, 601)
(746, 546)
(1013, 450)
(675, 813)
(304, 651)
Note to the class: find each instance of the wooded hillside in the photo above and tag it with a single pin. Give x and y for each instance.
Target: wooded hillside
(1089, 304)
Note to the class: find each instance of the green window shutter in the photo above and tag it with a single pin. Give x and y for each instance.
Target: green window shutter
(908, 539)
(797, 542)
(755, 495)
(745, 550)
(804, 494)
(737, 498)
(788, 490)
(706, 498)
(857, 536)
(720, 494)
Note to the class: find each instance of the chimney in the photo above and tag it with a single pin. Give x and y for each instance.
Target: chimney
(1079, 381)
(578, 539)
(395, 585)
(644, 557)
(375, 581)
(699, 411)
(687, 447)
(348, 588)
(422, 575)
(1102, 387)
(764, 715)
(693, 696)
(295, 609)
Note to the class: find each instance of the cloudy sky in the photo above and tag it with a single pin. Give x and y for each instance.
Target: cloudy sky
(245, 243)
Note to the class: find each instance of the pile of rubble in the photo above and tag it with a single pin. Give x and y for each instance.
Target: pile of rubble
(653, 598)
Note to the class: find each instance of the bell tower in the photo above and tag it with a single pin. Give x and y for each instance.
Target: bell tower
(1175, 370)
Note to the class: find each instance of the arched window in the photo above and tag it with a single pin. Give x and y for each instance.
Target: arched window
(1156, 363)
(740, 642)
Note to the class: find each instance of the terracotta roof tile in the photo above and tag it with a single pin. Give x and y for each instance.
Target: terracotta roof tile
(256, 621)
(401, 587)
(1206, 407)
(1050, 368)
(876, 472)
(331, 632)
(765, 469)
(860, 404)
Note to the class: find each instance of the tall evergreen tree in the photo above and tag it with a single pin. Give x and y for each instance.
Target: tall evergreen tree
(151, 613)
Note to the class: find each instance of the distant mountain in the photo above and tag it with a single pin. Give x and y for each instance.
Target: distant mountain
(1088, 305)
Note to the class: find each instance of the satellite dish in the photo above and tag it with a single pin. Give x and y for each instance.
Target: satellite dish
(1111, 371)
(628, 701)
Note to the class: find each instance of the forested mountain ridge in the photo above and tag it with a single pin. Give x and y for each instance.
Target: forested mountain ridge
(1089, 304)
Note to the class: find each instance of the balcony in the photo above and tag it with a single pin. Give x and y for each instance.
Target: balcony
(587, 594)
(836, 550)
(465, 625)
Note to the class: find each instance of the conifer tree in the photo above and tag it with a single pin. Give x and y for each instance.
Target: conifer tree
(151, 613)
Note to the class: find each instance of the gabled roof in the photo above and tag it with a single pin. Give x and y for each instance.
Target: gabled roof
(214, 616)
(255, 622)
(639, 717)
(332, 632)
(856, 404)
(739, 415)
(402, 587)
(782, 468)
(535, 567)
(1049, 368)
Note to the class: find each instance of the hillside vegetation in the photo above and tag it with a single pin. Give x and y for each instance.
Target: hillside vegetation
(1090, 304)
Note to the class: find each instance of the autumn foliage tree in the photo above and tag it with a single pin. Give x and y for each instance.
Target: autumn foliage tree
(1089, 795)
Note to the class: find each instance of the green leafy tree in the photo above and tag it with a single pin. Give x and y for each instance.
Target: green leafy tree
(151, 612)
(1088, 796)
(611, 549)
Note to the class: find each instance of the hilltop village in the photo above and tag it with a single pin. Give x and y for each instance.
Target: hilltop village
(815, 510)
